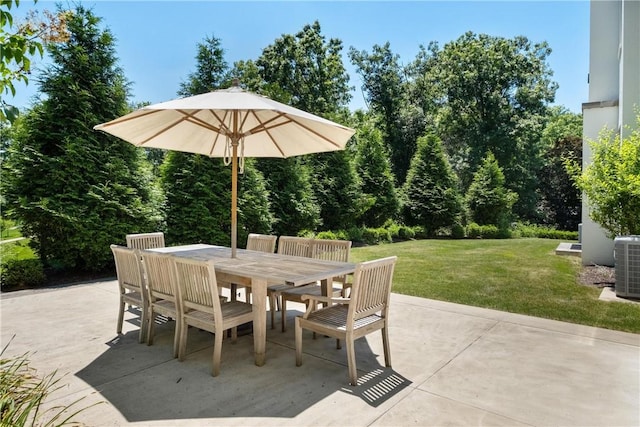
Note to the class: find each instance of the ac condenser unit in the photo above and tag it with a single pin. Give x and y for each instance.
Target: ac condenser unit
(627, 258)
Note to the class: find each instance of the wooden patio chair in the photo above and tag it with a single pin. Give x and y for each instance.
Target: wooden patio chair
(287, 245)
(365, 311)
(255, 242)
(262, 242)
(131, 284)
(331, 250)
(145, 240)
(200, 307)
(160, 276)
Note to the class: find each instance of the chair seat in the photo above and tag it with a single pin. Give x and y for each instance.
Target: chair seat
(133, 298)
(238, 312)
(335, 317)
(166, 307)
(315, 290)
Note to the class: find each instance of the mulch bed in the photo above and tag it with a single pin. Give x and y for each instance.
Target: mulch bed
(597, 275)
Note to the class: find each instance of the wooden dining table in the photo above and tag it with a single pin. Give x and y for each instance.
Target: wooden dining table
(258, 270)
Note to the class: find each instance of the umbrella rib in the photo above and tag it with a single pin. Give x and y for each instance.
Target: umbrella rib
(224, 129)
(127, 118)
(265, 129)
(308, 129)
(262, 127)
(190, 118)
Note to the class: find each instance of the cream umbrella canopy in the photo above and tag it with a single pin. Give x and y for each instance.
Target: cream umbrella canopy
(229, 123)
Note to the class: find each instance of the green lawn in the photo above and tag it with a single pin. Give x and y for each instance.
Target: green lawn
(515, 275)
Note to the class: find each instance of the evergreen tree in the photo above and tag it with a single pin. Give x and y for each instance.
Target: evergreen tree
(291, 198)
(431, 198)
(199, 199)
(489, 202)
(306, 71)
(76, 191)
(337, 189)
(374, 168)
(199, 188)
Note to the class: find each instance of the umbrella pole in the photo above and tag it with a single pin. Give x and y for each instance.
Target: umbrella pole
(234, 199)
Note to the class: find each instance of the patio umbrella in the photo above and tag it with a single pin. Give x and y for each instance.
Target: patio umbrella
(232, 124)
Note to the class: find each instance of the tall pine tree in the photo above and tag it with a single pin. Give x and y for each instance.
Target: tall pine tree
(198, 188)
(431, 197)
(378, 183)
(76, 191)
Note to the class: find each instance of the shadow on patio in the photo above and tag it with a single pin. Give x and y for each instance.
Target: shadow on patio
(145, 383)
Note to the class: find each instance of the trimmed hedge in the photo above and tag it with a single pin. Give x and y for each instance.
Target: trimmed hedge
(21, 273)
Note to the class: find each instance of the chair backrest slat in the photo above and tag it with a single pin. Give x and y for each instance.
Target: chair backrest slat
(146, 240)
(160, 275)
(128, 268)
(332, 250)
(261, 242)
(197, 286)
(371, 288)
(296, 246)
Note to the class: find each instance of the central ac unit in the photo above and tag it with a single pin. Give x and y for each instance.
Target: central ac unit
(627, 258)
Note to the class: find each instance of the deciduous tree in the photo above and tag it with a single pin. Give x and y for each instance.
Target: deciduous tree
(492, 95)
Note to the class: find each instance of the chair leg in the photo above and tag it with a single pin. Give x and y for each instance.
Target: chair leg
(176, 338)
(298, 334)
(143, 325)
(182, 345)
(283, 313)
(120, 318)
(234, 334)
(351, 361)
(150, 327)
(217, 353)
(272, 309)
(385, 343)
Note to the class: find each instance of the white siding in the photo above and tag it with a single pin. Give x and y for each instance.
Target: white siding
(614, 96)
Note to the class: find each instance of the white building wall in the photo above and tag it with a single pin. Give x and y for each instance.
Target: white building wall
(614, 96)
(630, 66)
(597, 248)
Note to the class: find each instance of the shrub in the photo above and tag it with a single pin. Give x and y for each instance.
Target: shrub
(457, 231)
(373, 236)
(18, 273)
(533, 230)
(611, 182)
(333, 235)
(355, 234)
(475, 231)
(22, 393)
(420, 232)
(406, 233)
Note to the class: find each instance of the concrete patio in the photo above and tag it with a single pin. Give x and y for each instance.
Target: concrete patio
(452, 365)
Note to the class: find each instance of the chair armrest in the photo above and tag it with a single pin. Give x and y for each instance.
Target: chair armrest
(329, 300)
(315, 299)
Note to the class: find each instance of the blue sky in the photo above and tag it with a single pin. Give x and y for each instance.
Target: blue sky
(156, 41)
